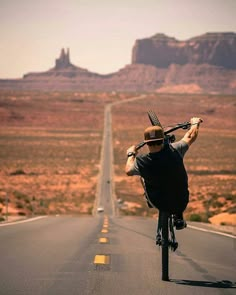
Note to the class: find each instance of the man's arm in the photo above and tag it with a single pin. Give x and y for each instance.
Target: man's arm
(191, 135)
(129, 167)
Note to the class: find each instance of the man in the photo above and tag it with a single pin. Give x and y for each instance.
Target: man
(162, 170)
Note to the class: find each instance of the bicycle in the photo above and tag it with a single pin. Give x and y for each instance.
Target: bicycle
(165, 237)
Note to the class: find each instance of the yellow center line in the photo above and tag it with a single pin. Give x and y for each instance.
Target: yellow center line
(104, 231)
(103, 240)
(101, 259)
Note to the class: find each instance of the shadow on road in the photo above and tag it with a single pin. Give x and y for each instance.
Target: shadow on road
(218, 284)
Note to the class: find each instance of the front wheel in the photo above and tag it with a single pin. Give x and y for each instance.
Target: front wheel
(153, 118)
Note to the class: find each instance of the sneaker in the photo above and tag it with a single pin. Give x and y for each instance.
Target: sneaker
(180, 224)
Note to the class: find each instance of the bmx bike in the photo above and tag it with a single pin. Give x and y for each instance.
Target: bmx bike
(165, 237)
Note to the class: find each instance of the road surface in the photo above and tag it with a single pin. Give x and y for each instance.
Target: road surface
(108, 254)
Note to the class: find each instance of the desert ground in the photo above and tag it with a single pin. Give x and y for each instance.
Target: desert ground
(50, 146)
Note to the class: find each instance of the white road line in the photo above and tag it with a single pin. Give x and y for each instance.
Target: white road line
(212, 231)
(22, 221)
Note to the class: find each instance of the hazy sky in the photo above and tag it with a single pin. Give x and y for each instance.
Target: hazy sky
(99, 33)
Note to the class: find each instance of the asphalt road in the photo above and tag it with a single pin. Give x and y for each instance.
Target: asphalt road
(106, 254)
(74, 255)
(105, 186)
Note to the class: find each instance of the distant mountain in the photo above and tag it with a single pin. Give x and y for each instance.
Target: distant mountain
(161, 51)
(203, 64)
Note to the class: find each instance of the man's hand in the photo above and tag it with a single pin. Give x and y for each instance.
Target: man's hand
(196, 121)
(132, 149)
(192, 133)
(130, 160)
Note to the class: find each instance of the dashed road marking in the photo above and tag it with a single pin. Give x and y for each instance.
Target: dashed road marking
(104, 231)
(101, 259)
(103, 240)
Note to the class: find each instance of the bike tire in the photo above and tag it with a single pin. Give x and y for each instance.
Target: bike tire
(165, 245)
(154, 119)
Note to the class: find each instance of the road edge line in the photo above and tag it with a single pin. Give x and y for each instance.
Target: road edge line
(212, 231)
(22, 221)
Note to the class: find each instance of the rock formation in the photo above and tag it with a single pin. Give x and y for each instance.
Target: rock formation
(63, 68)
(204, 64)
(64, 60)
(218, 49)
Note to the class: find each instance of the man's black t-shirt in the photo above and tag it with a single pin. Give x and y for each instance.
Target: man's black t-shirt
(165, 179)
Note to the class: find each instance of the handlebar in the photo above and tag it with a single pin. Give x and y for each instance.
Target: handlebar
(184, 125)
